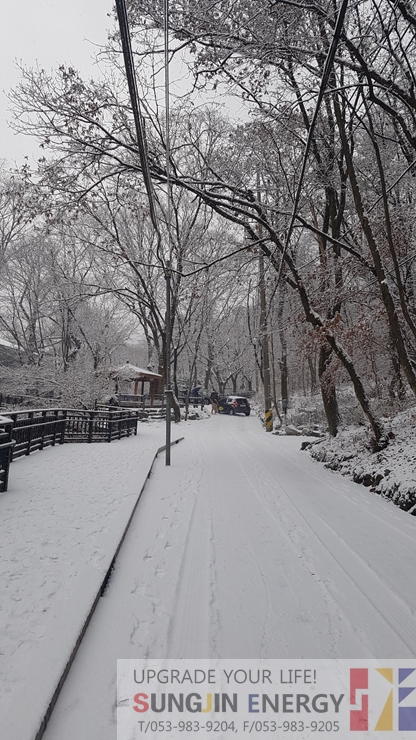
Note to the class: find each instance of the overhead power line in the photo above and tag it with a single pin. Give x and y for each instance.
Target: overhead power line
(325, 77)
(135, 104)
(144, 161)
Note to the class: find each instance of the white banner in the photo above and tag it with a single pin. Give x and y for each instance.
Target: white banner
(236, 699)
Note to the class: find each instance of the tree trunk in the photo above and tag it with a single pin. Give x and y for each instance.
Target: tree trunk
(328, 389)
(208, 370)
(283, 348)
(380, 439)
(312, 372)
(394, 324)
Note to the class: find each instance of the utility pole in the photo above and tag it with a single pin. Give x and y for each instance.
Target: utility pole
(168, 265)
(141, 142)
(168, 389)
(264, 335)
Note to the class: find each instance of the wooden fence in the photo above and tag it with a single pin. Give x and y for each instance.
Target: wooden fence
(23, 432)
(100, 426)
(6, 447)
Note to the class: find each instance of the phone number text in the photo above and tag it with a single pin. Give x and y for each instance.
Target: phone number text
(247, 727)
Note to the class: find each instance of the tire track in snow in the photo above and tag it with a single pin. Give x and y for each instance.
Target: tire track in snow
(193, 607)
(388, 603)
(221, 453)
(382, 594)
(183, 616)
(294, 537)
(306, 560)
(267, 593)
(214, 620)
(360, 501)
(271, 609)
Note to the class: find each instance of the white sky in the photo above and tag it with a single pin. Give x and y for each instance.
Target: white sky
(50, 33)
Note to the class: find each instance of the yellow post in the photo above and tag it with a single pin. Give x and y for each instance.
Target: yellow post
(268, 416)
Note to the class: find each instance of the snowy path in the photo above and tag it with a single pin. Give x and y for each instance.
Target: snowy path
(245, 548)
(60, 522)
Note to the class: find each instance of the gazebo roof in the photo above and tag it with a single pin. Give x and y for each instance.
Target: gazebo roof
(132, 372)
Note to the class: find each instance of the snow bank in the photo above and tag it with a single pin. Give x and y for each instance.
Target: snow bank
(390, 473)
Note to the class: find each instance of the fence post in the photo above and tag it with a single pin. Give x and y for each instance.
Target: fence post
(6, 449)
(29, 434)
(63, 427)
(13, 417)
(7, 466)
(90, 426)
(42, 439)
(55, 413)
(110, 425)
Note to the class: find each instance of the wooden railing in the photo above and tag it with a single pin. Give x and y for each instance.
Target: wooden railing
(100, 426)
(23, 432)
(158, 401)
(6, 447)
(36, 429)
(143, 402)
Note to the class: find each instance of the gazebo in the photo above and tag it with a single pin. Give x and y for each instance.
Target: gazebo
(126, 374)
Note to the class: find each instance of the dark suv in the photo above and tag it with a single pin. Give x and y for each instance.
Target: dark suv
(234, 405)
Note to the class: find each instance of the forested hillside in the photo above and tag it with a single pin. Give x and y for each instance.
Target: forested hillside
(292, 165)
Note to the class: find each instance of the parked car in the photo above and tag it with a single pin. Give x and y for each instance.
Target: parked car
(234, 405)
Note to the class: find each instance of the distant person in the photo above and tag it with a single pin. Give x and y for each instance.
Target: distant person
(214, 402)
(194, 397)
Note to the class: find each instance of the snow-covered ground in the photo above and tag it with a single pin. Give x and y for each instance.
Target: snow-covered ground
(60, 522)
(244, 547)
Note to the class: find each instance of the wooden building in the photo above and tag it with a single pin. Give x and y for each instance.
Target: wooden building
(130, 385)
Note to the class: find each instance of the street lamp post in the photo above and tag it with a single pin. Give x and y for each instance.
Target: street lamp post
(168, 265)
(167, 363)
